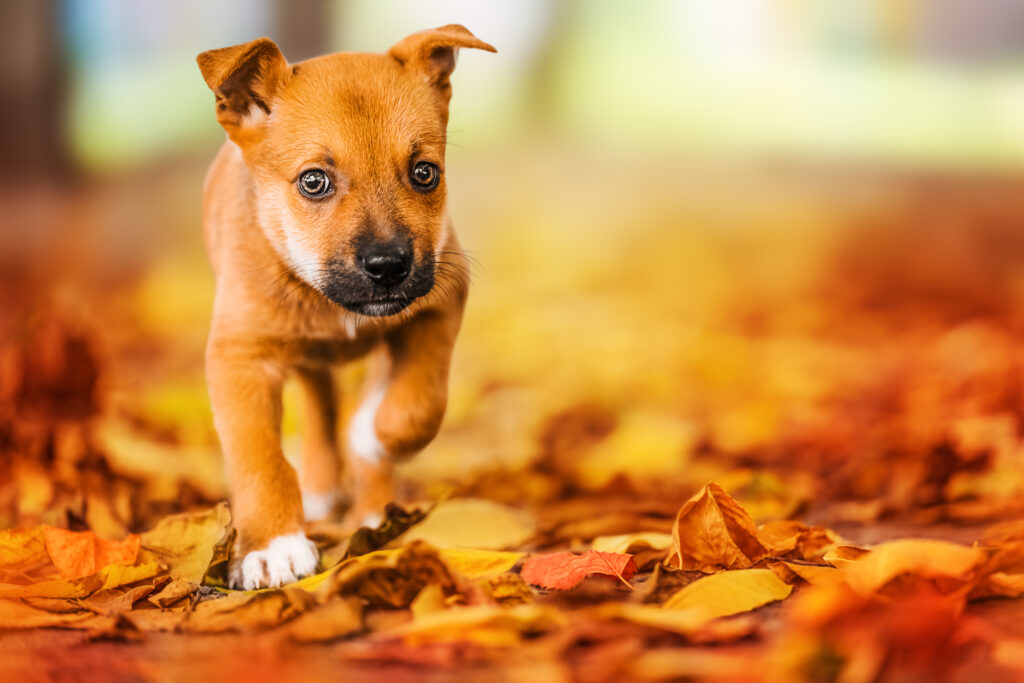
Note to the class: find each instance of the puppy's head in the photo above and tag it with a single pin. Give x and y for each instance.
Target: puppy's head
(346, 153)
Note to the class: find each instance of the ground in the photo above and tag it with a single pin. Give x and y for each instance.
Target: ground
(776, 414)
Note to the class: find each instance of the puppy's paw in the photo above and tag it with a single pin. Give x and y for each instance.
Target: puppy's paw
(318, 506)
(285, 559)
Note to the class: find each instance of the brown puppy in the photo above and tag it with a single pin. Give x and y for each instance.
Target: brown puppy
(326, 225)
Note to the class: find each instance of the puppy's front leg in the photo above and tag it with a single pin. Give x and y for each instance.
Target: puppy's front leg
(266, 506)
(402, 409)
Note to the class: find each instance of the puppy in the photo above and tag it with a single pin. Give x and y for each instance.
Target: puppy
(326, 225)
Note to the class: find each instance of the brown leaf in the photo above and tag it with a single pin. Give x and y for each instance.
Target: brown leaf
(396, 522)
(712, 532)
(334, 620)
(562, 571)
(81, 553)
(393, 578)
(248, 611)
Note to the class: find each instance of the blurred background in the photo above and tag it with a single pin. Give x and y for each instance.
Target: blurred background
(776, 244)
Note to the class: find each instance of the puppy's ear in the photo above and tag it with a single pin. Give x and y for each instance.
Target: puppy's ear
(245, 79)
(432, 53)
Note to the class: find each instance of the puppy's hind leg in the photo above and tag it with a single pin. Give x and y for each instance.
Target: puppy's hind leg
(321, 463)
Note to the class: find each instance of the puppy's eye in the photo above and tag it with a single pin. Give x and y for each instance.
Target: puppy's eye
(425, 176)
(315, 184)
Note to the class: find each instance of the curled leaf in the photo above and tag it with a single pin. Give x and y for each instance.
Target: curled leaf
(562, 571)
(713, 532)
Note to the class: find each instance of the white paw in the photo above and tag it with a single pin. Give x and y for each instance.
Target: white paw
(317, 506)
(284, 560)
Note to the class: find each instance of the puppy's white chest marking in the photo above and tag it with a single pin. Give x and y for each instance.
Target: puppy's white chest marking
(362, 436)
(284, 560)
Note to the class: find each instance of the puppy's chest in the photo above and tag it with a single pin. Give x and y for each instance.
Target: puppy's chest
(335, 339)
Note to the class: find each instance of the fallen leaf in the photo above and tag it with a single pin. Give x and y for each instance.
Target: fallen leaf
(686, 622)
(562, 571)
(337, 619)
(248, 611)
(395, 523)
(429, 601)
(81, 553)
(487, 625)
(712, 532)
(922, 558)
(185, 545)
(18, 614)
(632, 543)
(21, 549)
(794, 540)
(811, 573)
(393, 578)
(508, 589)
(730, 592)
(475, 564)
(473, 523)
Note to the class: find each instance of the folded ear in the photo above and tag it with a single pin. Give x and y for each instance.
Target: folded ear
(245, 79)
(433, 54)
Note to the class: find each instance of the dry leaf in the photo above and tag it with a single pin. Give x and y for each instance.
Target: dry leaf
(712, 532)
(337, 619)
(185, 544)
(477, 564)
(395, 523)
(926, 559)
(562, 571)
(248, 610)
(508, 589)
(730, 592)
(81, 553)
(793, 540)
(393, 578)
(486, 625)
(632, 543)
(473, 523)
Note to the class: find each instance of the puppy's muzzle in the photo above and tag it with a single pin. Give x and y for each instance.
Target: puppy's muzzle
(387, 264)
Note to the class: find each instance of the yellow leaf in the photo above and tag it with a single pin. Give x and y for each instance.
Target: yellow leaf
(487, 625)
(334, 620)
(631, 543)
(21, 546)
(17, 614)
(185, 542)
(472, 523)
(248, 610)
(477, 564)
(924, 558)
(429, 601)
(732, 592)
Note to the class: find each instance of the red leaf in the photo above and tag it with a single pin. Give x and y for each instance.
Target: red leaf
(81, 553)
(562, 571)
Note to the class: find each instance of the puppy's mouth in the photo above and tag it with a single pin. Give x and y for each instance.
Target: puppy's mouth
(354, 291)
(378, 308)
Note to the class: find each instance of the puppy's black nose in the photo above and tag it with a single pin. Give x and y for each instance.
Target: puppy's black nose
(386, 264)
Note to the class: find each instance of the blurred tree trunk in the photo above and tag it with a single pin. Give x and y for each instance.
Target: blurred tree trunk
(302, 29)
(33, 83)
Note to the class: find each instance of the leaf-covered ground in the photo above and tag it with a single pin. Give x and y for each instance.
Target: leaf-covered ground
(769, 440)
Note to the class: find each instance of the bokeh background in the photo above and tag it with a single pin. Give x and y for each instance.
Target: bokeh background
(775, 244)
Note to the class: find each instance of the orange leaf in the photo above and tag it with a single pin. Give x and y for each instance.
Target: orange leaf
(713, 532)
(81, 553)
(562, 571)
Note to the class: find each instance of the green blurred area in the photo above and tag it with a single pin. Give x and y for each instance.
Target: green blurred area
(877, 82)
